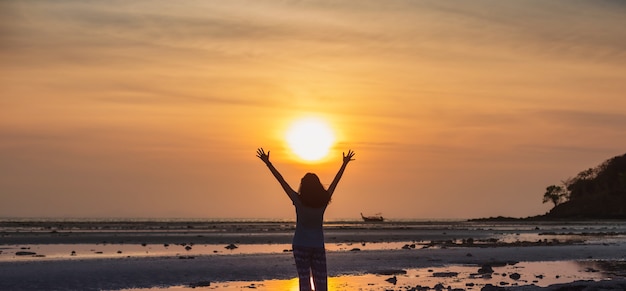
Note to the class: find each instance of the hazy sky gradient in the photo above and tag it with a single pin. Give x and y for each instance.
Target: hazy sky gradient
(156, 108)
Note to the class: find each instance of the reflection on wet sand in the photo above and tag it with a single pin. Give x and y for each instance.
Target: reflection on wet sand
(464, 277)
(249, 254)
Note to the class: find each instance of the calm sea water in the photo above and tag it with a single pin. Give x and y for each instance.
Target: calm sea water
(35, 224)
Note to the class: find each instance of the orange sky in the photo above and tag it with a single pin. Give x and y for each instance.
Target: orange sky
(156, 108)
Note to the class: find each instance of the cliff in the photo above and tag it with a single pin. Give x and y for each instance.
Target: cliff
(598, 192)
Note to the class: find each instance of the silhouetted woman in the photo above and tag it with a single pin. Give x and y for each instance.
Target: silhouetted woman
(308, 241)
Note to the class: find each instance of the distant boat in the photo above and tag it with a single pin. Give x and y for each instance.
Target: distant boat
(374, 218)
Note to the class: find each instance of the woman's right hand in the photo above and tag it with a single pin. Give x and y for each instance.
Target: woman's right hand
(265, 157)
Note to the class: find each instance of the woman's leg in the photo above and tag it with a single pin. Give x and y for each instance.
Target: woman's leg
(302, 256)
(318, 268)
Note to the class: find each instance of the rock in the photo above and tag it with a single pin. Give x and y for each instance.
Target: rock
(200, 284)
(485, 269)
(188, 248)
(445, 274)
(393, 280)
(355, 250)
(490, 287)
(439, 287)
(25, 253)
(231, 247)
(389, 272)
(515, 276)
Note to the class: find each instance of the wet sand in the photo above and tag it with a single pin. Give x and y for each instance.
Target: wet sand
(415, 249)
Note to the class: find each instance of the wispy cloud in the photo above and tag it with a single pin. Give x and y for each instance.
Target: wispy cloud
(584, 119)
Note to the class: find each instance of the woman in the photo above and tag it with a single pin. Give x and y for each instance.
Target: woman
(308, 241)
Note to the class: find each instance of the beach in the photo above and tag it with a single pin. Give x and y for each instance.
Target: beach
(230, 255)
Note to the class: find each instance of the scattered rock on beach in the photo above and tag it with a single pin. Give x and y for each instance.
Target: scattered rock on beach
(445, 274)
(485, 269)
(200, 284)
(490, 287)
(231, 247)
(25, 253)
(355, 250)
(408, 246)
(515, 276)
(186, 257)
(390, 272)
(393, 280)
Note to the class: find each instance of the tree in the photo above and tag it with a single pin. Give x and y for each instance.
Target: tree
(555, 194)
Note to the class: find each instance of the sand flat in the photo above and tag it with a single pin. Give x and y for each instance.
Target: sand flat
(417, 247)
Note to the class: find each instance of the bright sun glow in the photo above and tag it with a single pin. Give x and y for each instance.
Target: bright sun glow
(310, 138)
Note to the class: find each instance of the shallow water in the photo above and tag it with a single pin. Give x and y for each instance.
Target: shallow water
(85, 239)
(455, 276)
(54, 242)
(92, 251)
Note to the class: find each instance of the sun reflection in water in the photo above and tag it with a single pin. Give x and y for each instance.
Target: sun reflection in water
(334, 283)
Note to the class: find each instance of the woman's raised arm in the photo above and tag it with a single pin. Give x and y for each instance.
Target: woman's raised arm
(346, 159)
(265, 157)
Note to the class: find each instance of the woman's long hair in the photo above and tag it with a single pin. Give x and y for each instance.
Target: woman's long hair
(312, 192)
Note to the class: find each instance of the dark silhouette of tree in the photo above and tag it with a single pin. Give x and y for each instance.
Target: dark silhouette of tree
(597, 192)
(555, 194)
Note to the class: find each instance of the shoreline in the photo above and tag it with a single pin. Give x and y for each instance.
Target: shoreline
(429, 245)
(148, 272)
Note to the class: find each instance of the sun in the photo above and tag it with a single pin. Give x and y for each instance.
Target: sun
(310, 138)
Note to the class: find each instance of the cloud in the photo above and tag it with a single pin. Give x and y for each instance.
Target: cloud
(584, 119)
